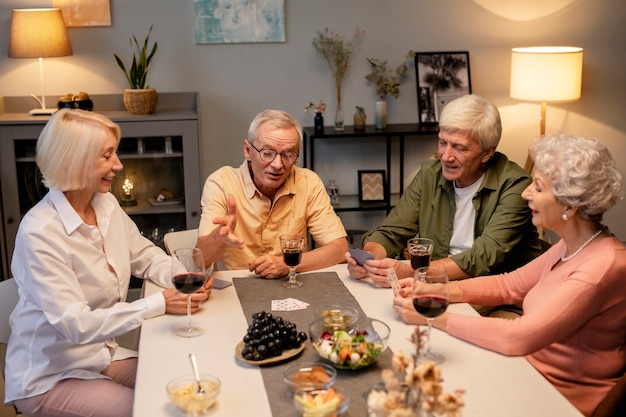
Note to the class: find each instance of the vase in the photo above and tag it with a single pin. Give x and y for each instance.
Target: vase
(359, 120)
(333, 192)
(339, 119)
(381, 114)
(319, 123)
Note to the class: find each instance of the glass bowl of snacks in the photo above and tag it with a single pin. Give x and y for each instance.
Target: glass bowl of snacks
(354, 348)
(337, 317)
(328, 402)
(185, 393)
(309, 376)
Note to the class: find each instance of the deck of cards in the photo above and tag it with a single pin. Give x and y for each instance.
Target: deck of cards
(288, 304)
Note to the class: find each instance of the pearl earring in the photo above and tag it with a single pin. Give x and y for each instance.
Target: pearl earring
(565, 217)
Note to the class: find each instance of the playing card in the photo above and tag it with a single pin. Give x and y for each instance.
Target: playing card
(289, 304)
(280, 305)
(393, 280)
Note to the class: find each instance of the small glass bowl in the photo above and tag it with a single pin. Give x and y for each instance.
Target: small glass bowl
(307, 376)
(346, 349)
(336, 317)
(182, 392)
(305, 402)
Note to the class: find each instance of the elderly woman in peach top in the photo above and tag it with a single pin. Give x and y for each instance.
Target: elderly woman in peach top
(573, 329)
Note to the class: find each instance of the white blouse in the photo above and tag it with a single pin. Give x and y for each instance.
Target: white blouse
(73, 279)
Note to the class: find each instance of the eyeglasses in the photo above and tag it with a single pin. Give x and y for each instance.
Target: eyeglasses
(268, 155)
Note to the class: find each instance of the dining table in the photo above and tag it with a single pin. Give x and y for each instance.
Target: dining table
(492, 384)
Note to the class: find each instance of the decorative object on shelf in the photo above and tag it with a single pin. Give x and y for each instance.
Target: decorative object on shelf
(372, 187)
(386, 82)
(75, 101)
(139, 98)
(338, 52)
(380, 114)
(441, 77)
(127, 188)
(38, 33)
(319, 117)
(412, 388)
(333, 192)
(359, 118)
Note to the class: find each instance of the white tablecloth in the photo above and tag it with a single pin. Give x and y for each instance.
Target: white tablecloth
(494, 385)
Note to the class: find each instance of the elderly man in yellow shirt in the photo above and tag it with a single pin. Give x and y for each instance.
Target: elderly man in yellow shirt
(246, 209)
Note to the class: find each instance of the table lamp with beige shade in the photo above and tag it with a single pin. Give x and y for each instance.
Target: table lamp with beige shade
(546, 74)
(38, 33)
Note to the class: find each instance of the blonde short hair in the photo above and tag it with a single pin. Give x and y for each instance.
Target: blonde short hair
(68, 147)
(474, 115)
(582, 171)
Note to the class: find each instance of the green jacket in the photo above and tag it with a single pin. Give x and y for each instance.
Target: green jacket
(505, 237)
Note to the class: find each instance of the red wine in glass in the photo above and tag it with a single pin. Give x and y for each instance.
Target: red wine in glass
(292, 257)
(420, 259)
(430, 306)
(188, 283)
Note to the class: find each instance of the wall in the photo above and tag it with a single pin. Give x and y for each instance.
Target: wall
(235, 81)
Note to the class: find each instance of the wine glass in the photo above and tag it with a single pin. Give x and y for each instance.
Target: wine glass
(188, 276)
(420, 250)
(431, 297)
(292, 254)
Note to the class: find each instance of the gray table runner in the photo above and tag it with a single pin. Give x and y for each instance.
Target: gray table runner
(321, 289)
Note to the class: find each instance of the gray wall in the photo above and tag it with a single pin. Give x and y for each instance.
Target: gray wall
(236, 81)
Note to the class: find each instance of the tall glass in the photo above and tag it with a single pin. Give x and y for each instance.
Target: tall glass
(292, 246)
(431, 297)
(188, 276)
(420, 250)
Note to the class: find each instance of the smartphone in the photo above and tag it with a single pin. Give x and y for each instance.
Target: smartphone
(360, 255)
(218, 284)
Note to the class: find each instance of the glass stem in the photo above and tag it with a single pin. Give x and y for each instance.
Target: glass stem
(189, 328)
(292, 274)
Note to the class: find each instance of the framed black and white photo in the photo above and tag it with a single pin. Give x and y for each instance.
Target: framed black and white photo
(441, 77)
(372, 187)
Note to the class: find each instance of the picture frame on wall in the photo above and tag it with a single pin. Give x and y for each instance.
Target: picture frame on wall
(372, 186)
(441, 77)
(84, 13)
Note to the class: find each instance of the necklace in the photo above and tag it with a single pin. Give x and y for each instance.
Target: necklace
(595, 235)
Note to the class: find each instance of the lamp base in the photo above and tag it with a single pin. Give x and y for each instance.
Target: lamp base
(42, 112)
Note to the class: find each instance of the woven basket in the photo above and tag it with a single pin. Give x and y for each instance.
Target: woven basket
(140, 101)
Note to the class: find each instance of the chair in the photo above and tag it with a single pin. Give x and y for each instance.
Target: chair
(614, 404)
(180, 239)
(8, 300)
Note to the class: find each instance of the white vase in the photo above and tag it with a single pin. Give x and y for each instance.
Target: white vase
(381, 114)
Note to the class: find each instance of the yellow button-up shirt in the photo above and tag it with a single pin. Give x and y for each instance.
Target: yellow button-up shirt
(301, 205)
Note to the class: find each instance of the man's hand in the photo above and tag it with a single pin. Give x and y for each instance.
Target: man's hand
(224, 233)
(269, 266)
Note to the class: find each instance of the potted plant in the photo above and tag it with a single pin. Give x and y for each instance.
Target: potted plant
(139, 98)
(386, 82)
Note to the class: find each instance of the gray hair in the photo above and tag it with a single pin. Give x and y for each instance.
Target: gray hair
(68, 147)
(474, 115)
(582, 171)
(276, 119)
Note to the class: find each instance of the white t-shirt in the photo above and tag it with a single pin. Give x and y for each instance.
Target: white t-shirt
(464, 217)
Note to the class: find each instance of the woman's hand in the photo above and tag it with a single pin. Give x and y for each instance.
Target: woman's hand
(176, 303)
(403, 306)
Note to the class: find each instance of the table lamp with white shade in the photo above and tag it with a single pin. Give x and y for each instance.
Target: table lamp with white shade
(546, 74)
(38, 33)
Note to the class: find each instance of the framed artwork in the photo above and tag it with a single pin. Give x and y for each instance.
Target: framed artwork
(239, 21)
(84, 13)
(441, 77)
(372, 187)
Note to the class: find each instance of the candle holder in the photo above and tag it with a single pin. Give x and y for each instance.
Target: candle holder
(127, 188)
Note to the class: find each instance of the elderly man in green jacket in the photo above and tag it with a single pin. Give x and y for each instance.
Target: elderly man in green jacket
(467, 199)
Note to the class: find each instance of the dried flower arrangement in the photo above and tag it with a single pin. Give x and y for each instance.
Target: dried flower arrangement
(387, 81)
(338, 52)
(320, 108)
(411, 386)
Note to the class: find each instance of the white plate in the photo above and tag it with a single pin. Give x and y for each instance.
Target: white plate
(172, 202)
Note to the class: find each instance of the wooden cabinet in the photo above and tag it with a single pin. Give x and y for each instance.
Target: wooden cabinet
(162, 149)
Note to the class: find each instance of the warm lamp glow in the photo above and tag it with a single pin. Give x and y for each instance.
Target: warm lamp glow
(38, 33)
(546, 73)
